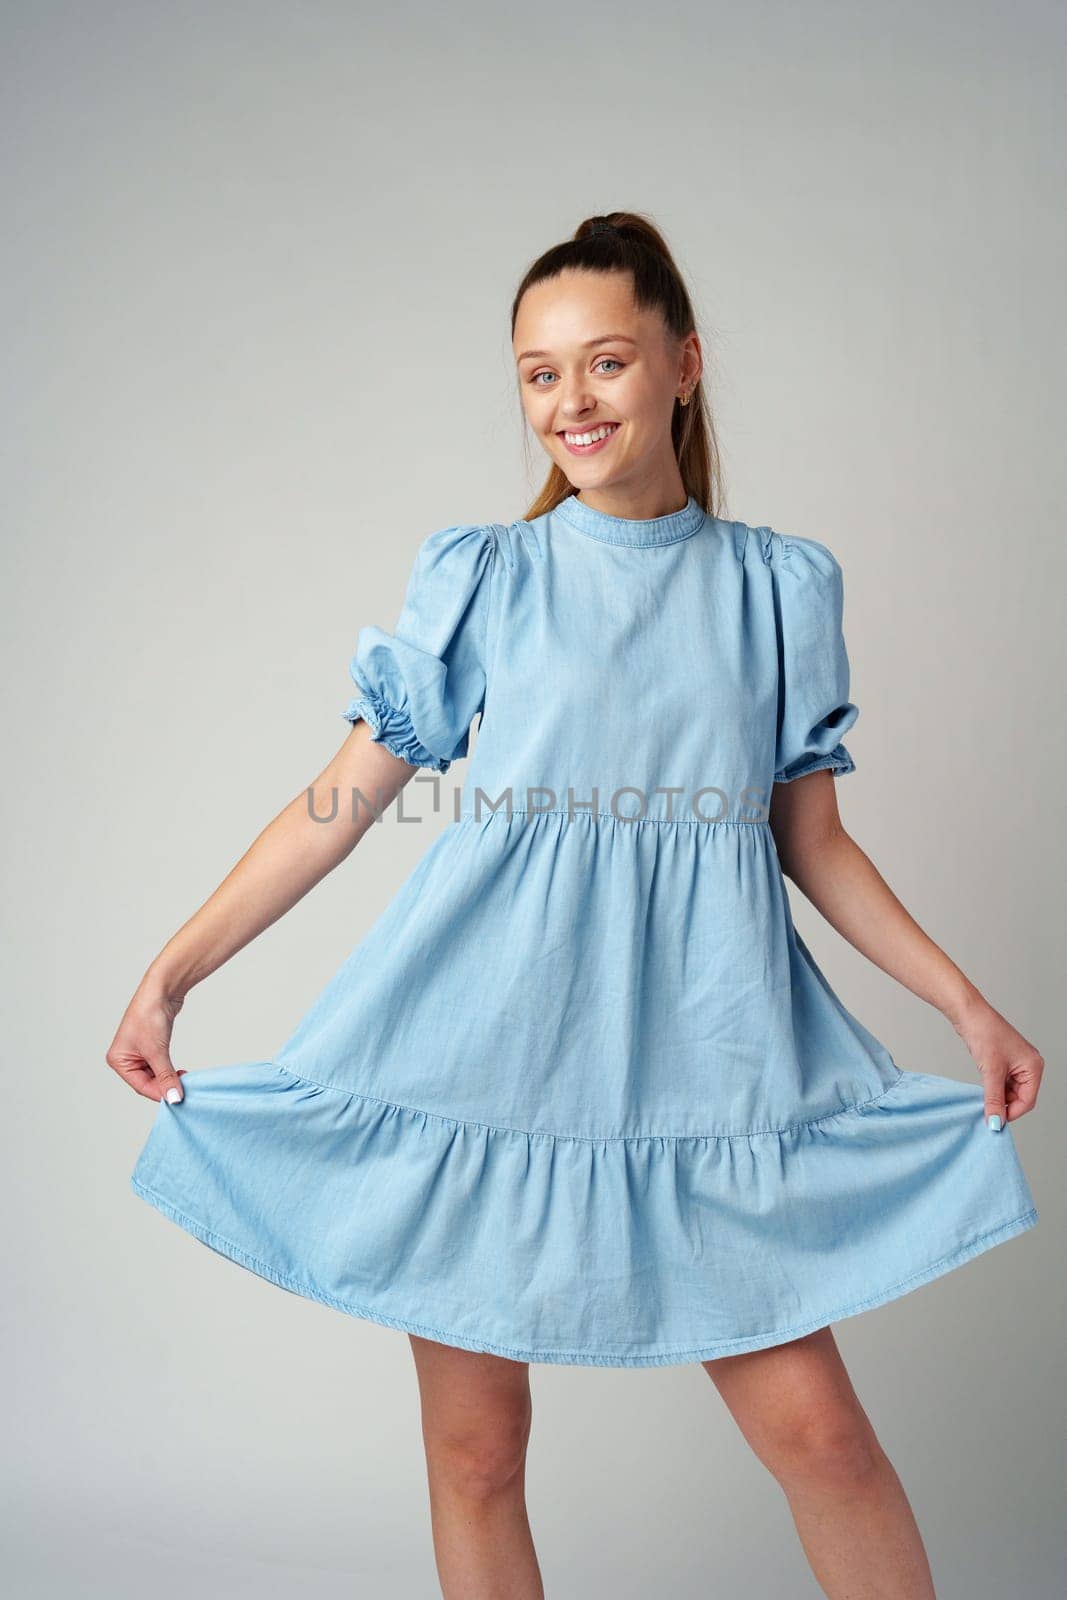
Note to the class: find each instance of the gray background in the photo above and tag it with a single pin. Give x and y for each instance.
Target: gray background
(258, 268)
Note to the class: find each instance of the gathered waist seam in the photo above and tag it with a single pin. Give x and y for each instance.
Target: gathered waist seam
(610, 816)
(855, 1106)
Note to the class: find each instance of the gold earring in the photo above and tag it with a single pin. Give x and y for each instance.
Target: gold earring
(685, 398)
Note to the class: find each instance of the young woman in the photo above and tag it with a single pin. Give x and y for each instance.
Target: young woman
(582, 1094)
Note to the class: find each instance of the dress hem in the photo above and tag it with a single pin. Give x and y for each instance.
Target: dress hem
(671, 1356)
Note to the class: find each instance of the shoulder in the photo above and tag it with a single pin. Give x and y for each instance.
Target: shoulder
(797, 559)
(459, 541)
(456, 558)
(806, 558)
(483, 556)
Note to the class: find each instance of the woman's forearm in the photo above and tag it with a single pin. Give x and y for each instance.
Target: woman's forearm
(294, 852)
(843, 883)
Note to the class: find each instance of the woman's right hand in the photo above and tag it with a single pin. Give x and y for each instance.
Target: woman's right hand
(140, 1050)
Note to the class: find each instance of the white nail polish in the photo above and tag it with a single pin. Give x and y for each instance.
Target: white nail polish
(173, 1096)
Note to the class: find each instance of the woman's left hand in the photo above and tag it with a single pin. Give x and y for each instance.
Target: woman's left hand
(1009, 1065)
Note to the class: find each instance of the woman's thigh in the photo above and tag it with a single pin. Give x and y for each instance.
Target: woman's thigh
(472, 1401)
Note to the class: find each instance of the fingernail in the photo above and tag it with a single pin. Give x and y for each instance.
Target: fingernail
(173, 1096)
(994, 1123)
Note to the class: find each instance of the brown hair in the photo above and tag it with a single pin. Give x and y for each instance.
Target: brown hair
(638, 248)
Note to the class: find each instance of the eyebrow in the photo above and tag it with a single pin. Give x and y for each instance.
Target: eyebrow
(605, 338)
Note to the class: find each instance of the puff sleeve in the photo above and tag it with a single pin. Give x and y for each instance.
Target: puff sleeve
(421, 686)
(814, 710)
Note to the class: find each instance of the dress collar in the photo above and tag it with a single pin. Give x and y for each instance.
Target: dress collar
(632, 530)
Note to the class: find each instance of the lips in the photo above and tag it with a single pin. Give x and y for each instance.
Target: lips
(598, 444)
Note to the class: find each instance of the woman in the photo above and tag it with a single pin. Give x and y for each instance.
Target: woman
(581, 1094)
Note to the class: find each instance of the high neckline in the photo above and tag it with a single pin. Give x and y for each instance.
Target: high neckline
(632, 530)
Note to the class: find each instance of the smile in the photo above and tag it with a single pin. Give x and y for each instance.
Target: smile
(583, 444)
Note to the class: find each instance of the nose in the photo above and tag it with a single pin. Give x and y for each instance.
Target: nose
(576, 408)
(574, 402)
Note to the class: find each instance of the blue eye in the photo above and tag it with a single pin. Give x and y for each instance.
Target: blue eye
(613, 360)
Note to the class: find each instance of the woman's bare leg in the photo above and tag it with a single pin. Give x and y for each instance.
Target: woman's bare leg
(795, 1405)
(476, 1415)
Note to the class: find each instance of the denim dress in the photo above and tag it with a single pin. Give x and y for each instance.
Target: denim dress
(581, 1094)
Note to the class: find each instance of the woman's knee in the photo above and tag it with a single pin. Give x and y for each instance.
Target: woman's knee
(836, 1449)
(482, 1458)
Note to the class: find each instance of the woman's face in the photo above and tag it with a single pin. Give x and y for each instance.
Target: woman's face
(586, 356)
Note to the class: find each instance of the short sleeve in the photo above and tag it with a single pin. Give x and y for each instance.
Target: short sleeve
(421, 686)
(814, 709)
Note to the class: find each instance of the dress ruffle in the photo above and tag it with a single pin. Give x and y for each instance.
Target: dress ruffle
(380, 1210)
(393, 728)
(838, 760)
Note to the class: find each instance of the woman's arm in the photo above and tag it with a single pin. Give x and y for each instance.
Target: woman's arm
(841, 881)
(291, 855)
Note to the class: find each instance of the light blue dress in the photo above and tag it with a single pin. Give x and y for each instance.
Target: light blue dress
(581, 1094)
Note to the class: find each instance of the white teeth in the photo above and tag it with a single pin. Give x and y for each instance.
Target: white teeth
(590, 438)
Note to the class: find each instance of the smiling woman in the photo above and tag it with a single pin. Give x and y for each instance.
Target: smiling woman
(581, 1094)
(640, 381)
